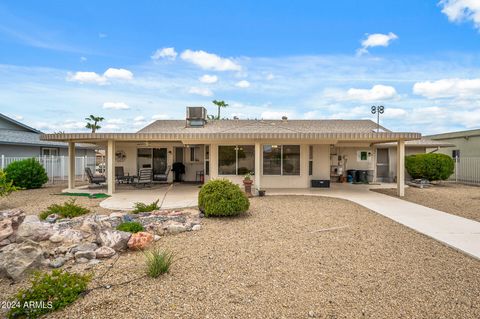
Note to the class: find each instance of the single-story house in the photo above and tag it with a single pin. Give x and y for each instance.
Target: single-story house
(20, 140)
(464, 143)
(280, 153)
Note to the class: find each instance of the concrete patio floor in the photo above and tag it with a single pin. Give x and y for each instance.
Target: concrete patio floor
(460, 233)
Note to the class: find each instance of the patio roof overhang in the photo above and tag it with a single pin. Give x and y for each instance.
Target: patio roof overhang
(371, 137)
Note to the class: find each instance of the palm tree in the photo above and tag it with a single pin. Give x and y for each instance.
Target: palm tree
(219, 104)
(93, 122)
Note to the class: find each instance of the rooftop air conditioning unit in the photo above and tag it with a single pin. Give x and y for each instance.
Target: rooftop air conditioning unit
(196, 116)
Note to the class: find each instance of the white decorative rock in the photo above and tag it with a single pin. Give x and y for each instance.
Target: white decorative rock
(15, 259)
(104, 252)
(115, 239)
(6, 229)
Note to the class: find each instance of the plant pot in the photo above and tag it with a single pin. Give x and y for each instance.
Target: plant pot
(261, 193)
(247, 183)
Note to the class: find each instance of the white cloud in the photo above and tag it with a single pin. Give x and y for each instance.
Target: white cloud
(116, 105)
(165, 53)
(87, 77)
(393, 113)
(115, 121)
(376, 93)
(462, 10)
(139, 119)
(102, 35)
(275, 115)
(93, 77)
(270, 76)
(18, 117)
(200, 91)
(210, 61)
(242, 84)
(160, 117)
(209, 79)
(376, 40)
(83, 59)
(120, 74)
(448, 88)
(311, 115)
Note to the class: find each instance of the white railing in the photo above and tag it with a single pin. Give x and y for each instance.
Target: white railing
(467, 170)
(56, 166)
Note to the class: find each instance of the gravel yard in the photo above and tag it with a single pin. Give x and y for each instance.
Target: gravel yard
(34, 201)
(457, 199)
(275, 263)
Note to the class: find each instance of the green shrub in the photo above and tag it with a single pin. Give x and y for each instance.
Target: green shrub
(145, 208)
(49, 292)
(6, 187)
(220, 197)
(27, 173)
(131, 227)
(66, 210)
(433, 167)
(158, 262)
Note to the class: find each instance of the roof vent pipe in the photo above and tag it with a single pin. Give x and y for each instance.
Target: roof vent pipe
(284, 118)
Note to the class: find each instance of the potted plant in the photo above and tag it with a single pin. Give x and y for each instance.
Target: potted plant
(261, 192)
(247, 183)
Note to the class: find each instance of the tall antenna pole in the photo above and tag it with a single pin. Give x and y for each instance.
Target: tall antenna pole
(378, 110)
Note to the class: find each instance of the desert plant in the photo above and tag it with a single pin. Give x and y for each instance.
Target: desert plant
(145, 208)
(158, 261)
(69, 209)
(433, 167)
(47, 293)
(27, 173)
(221, 197)
(131, 227)
(6, 187)
(219, 105)
(92, 122)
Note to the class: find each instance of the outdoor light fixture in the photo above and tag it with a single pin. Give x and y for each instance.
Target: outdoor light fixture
(378, 110)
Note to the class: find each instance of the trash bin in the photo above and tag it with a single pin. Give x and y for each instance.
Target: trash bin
(351, 175)
(362, 176)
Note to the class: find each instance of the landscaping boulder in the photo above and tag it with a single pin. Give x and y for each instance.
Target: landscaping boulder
(15, 215)
(33, 229)
(140, 240)
(88, 254)
(15, 259)
(57, 262)
(115, 239)
(6, 229)
(104, 252)
(84, 247)
(175, 227)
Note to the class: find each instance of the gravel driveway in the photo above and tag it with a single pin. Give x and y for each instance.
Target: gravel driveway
(456, 199)
(274, 263)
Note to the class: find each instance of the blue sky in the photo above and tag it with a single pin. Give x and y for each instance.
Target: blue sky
(138, 61)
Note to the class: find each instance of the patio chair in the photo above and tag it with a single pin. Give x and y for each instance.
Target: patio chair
(162, 177)
(94, 179)
(119, 174)
(145, 177)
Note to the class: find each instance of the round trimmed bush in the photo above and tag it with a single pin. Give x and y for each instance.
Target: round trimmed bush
(433, 167)
(27, 173)
(221, 197)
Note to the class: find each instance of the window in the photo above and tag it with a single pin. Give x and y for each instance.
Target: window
(194, 150)
(281, 160)
(47, 151)
(236, 159)
(363, 156)
(207, 159)
(310, 160)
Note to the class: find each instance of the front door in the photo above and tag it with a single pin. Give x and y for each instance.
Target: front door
(178, 154)
(383, 166)
(159, 161)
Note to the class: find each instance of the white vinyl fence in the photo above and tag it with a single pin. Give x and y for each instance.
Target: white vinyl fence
(467, 170)
(56, 166)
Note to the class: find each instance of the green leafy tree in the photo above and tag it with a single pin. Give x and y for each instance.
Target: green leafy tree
(93, 122)
(219, 104)
(6, 187)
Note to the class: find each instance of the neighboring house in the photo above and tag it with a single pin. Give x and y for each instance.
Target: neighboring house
(281, 153)
(20, 140)
(464, 143)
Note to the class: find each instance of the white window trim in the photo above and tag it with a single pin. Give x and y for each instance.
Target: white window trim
(281, 159)
(236, 159)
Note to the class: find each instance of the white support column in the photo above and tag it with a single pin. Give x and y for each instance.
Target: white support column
(258, 163)
(401, 168)
(111, 167)
(71, 165)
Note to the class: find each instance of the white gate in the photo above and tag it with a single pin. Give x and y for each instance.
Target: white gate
(467, 170)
